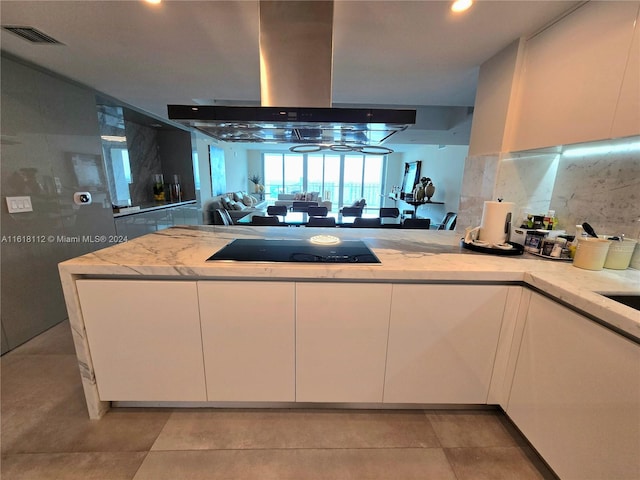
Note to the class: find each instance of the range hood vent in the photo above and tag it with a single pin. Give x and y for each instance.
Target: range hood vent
(296, 54)
(355, 126)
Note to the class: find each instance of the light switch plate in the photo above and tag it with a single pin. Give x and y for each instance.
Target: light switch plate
(19, 204)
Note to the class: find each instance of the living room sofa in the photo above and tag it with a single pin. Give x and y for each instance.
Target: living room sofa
(287, 199)
(238, 204)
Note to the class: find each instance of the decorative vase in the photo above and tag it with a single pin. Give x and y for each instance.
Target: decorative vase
(429, 190)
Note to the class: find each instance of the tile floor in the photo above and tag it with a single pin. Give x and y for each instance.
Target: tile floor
(46, 434)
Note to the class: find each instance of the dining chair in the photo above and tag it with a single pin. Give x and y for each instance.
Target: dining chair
(277, 210)
(321, 222)
(416, 223)
(351, 211)
(316, 211)
(360, 222)
(389, 212)
(260, 220)
(223, 217)
(449, 221)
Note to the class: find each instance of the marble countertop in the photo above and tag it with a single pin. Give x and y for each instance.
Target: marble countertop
(144, 208)
(405, 255)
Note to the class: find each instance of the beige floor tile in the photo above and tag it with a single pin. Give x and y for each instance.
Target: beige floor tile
(494, 463)
(471, 428)
(38, 381)
(56, 340)
(71, 466)
(119, 431)
(304, 464)
(43, 410)
(231, 429)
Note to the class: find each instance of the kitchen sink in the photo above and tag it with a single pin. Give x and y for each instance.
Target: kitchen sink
(632, 301)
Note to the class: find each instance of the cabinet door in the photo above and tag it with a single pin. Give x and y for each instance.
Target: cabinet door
(572, 77)
(627, 118)
(576, 394)
(144, 338)
(442, 343)
(341, 339)
(248, 337)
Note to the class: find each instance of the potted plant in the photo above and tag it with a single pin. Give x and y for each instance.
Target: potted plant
(257, 186)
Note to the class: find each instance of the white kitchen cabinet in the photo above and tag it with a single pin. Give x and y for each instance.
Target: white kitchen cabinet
(576, 394)
(507, 353)
(571, 81)
(144, 338)
(341, 340)
(248, 337)
(442, 343)
(627, 117)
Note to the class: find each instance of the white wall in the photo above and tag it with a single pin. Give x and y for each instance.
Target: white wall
(254, 166)
(236, 160)
(235, 157)
(445, 167)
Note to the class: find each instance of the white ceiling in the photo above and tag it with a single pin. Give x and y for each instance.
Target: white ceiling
(386, 53)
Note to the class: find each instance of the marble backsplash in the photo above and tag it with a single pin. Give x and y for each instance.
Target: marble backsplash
(478, 185)
(144, 159)
(600, 189)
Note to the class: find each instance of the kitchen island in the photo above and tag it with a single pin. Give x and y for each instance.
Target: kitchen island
(432, 324)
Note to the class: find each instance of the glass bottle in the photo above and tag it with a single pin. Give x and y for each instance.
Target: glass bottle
(175, 190)
(158, 187)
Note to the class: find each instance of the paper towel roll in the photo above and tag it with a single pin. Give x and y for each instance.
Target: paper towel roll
(494, 217)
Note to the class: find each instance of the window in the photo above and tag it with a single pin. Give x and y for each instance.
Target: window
(118, 165)
(342, 179)
(323, 175)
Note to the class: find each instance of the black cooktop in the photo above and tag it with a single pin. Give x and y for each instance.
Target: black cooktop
(259, 250)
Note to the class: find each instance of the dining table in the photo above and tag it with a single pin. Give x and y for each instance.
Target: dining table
(298, 219)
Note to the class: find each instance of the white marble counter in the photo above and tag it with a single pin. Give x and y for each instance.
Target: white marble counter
(406, 255)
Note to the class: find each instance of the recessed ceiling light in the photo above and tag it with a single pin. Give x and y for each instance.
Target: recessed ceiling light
(154, 2)
(461, 5)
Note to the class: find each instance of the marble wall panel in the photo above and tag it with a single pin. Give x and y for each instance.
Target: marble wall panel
(600, 189)
(144, 158)
(176, 159)
(603, 190)
(527, 181)
(478, 186)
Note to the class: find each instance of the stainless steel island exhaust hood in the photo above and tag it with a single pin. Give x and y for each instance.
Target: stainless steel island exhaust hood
(296, 53)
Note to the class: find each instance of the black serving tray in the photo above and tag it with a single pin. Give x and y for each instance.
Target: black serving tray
(516, 250)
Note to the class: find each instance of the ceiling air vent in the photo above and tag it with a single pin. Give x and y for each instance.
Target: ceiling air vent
(32, 35)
